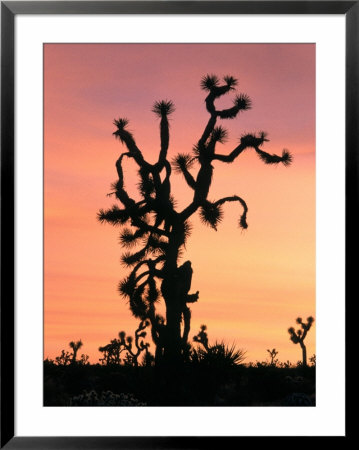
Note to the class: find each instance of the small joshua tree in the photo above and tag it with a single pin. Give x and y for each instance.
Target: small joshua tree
(141, 346)
(202, 337)
(84, 360)
(313, 360)
(67, 358)
(64, 359)
(161, 230)
(113, 350)
(297, 337)
(272, 354)
(75, 348)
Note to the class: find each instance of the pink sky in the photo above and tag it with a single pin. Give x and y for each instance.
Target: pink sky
(252, 284)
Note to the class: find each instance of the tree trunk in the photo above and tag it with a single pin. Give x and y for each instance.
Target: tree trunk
(304, 352)
(158, 354)
(172, 296)
(173, 341)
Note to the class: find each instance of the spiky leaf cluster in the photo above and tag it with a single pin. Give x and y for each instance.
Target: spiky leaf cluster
(163, 108)
(121, 125)
(182, 162)
(299, 335)
(140, 296)
(219, 134)
(305, 326)
(217, 355)
(211, 214)
(157, 245)
(293, 336)
(130, 259)
(128, 238)
(76, 345)
(286, 158)
(187, 230)
(114, 215)
(243, 102)
(230, 81)
(209, 81)
(221, 355)
(251, 140)
(126, 287)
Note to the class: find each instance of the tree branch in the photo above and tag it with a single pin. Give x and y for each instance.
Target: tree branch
(208, 130)
(189, 178)
(189, 210)
(181, 163)
(127, 138)
(234, 198)
(121, 193)
(232, 156)
(253, 141)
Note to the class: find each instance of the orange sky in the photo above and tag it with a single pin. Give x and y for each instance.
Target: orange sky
(253, 283)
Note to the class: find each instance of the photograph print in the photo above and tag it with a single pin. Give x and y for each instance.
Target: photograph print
(179, 225)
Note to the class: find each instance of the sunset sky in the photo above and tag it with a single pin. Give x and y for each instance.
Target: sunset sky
(253, 283)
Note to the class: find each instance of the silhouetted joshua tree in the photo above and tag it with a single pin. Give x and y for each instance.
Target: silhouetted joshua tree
(297, 337)
(160, 229)
(64, 359)
(113, 350)
(75, 347)
(273, 353)
(67, 358)
(202, 337)
(127, 342)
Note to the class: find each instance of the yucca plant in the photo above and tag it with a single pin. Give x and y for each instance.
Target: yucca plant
(222, 355)
(218, 355)
(297, 337)
(155, 232)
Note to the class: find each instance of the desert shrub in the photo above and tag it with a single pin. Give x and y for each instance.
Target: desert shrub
(106, 398)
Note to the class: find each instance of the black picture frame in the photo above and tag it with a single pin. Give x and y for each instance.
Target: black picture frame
(9, 10)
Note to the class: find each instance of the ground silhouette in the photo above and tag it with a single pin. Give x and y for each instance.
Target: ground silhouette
(213, 375)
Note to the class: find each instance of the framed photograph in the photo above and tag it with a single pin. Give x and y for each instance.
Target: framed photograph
(178, 181)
